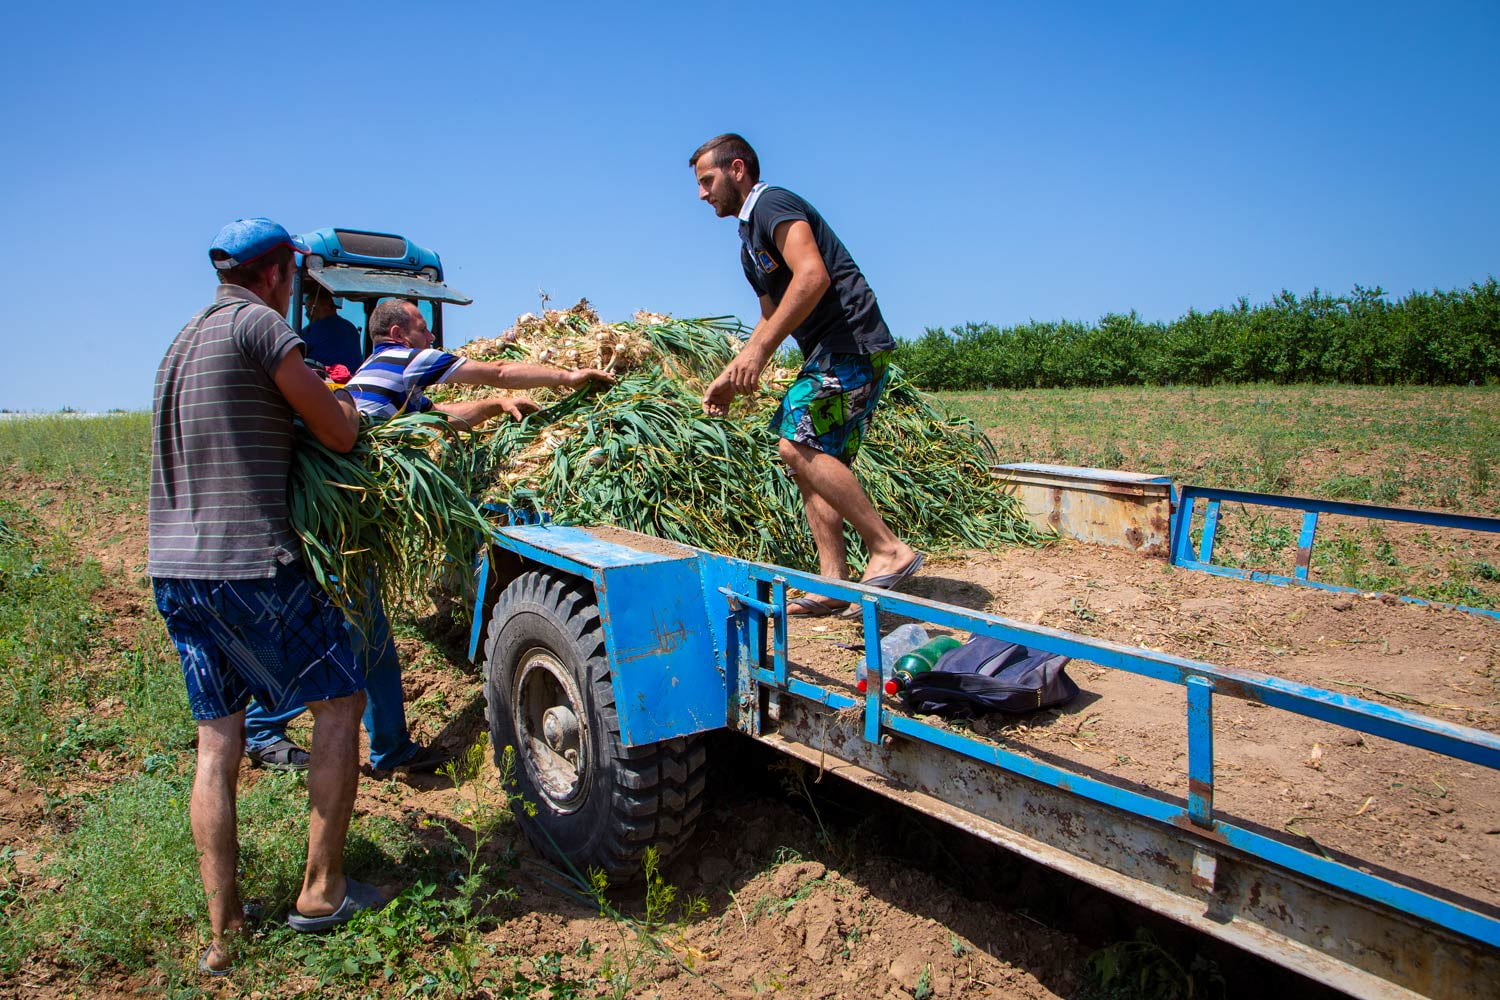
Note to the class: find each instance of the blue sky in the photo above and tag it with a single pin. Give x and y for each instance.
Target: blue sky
(990, 162)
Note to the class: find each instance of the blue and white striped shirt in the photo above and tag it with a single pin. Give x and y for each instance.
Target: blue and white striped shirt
(392, 379)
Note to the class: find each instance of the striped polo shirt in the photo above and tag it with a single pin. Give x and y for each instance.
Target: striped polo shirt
(221, 446)
(392, 379)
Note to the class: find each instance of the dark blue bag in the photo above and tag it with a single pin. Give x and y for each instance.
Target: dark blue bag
(990, 675)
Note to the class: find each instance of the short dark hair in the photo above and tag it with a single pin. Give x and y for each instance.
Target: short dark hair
(254, 271)
(389, 313)
(726, 149)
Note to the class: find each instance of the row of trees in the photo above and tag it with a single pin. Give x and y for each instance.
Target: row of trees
(1431, 338)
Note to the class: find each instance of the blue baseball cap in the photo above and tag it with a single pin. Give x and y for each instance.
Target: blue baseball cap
(243, 240)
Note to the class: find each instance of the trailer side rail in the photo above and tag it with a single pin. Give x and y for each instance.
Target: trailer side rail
(1184, 554)
(758, 610)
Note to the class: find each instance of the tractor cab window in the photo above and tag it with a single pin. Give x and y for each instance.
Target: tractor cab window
(358, 313)
(355, 313)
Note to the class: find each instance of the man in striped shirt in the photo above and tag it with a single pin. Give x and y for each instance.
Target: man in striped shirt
(244, 613)
(401, 364)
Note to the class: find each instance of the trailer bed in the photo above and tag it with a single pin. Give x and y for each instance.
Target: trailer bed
(1403, 813)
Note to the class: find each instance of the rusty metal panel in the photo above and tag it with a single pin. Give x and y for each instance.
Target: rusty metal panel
(1132, 510)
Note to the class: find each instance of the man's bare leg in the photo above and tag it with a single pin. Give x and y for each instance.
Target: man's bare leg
(212, 813)
(828, 538)
(332, 779)
(835, 485)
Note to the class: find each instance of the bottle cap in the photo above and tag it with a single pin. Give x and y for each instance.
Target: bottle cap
(891, 687)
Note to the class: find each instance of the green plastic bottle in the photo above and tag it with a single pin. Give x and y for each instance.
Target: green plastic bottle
(919, 661)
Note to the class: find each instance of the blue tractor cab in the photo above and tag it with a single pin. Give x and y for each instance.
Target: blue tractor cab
(360, 268)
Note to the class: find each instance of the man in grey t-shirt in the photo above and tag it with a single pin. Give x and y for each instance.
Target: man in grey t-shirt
(243, 612)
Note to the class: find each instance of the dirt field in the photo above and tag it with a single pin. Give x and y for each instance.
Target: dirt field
(777, 920)
(788, 913)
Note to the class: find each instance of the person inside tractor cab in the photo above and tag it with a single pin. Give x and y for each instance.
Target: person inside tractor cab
(330, 338)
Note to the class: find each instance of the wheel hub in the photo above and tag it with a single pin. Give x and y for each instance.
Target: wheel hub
(554, 742)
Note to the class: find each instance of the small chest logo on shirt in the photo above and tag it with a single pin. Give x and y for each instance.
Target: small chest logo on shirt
(765, 260)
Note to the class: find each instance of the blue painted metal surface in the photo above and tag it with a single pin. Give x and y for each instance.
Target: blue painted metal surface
(1210, 529)
(669, 677)
(363, 267)
(387, 251)
(1189, 496)
(688, 639)
(1305, 543)
(1200, 709)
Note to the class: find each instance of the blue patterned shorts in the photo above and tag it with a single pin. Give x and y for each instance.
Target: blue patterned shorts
(830, 405)
(281, 640)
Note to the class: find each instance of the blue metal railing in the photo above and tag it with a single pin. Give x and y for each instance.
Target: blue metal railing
(1202, 682)
(1311, 508)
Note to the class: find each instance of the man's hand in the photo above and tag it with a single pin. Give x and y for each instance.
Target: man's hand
(741, 377)
(718, 396)
(516, 407)
(584, 376)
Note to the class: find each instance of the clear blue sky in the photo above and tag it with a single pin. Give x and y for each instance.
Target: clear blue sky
(988, 161)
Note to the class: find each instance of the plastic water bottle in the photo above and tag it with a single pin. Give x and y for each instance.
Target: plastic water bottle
(894, 646)
(919, 661)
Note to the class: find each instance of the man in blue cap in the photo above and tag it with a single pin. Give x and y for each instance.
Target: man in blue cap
(243, 611)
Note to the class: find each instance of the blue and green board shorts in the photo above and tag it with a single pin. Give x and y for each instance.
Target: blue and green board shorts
(830, 404)
(280, 639)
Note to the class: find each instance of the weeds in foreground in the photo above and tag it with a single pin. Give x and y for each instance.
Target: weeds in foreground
(660, 932)
(1141, 969)
(13, 939)
(794, 783)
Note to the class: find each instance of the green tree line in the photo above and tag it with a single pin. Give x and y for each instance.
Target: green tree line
(1426, 338)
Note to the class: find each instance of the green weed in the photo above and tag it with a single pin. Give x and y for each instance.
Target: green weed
(923, 988)
(1347, 487)
(1141, 969)
(641, 940)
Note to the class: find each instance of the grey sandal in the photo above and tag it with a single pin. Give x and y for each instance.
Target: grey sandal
(283, 755)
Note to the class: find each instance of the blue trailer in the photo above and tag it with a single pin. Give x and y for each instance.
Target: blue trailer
(607, 655)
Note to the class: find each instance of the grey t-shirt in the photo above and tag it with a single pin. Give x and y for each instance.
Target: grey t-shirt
(847, 318)
(221, 446)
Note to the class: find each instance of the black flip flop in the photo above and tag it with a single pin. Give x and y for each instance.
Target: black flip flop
(817, 607)
(888, 581)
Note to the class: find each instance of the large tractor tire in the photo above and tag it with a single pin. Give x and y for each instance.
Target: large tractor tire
(598, 804)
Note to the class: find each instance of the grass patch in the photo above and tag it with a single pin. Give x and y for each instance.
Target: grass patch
(48, 625)
(1291, 438)
(113, 450)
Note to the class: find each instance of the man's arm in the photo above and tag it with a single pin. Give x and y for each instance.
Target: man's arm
(330, 416)
(520, 375)
(470, 413)
(794, 239)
